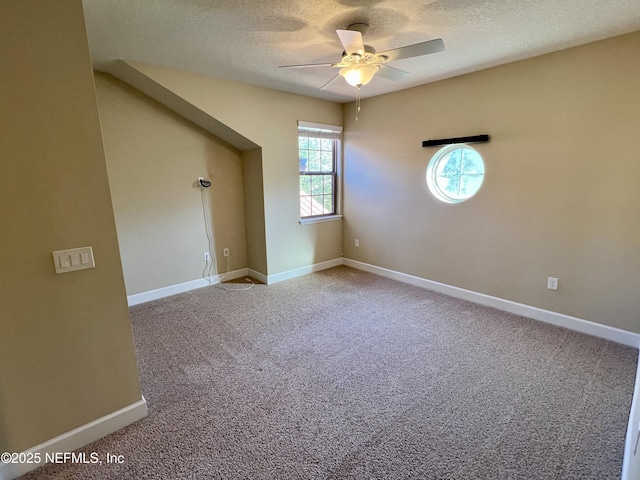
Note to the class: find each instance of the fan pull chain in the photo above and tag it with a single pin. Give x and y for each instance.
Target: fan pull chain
(357, 102)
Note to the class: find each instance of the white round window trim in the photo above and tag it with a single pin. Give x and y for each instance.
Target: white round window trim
(455, 173)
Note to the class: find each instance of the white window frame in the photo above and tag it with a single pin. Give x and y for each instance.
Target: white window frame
(334, 132)
(432, 174)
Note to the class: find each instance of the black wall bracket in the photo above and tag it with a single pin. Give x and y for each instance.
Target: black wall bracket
(449, 141)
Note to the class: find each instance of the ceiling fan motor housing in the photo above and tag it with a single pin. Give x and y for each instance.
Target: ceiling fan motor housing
(368, 56)
(359, 27)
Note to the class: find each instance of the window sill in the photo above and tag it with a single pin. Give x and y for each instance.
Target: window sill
(327, 218)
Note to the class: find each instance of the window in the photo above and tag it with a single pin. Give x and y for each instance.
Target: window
(455, 173)
(318, 153)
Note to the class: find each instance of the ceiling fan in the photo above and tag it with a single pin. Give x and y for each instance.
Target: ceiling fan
(360, 62)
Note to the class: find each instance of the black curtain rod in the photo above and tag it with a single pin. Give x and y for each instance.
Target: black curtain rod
(449, 141)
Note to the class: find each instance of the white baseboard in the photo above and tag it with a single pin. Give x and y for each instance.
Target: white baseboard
(76, 438)
(299, 272)
(163, 292)
(258, 276)
(631, 459)
(572, 323)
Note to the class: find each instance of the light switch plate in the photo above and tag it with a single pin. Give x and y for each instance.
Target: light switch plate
(73, 259)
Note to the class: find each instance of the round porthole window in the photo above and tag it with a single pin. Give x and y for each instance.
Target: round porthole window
(455, 173)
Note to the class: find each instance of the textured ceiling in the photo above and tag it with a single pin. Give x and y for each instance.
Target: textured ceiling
(246, 40)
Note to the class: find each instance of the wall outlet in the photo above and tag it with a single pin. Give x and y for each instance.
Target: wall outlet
(225, 252)
(552, 283)
(356, 242)
(206, 256)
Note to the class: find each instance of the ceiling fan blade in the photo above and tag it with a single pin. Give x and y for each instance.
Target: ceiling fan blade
(307, 65)
(351, 41)
(415, 50)
(391, 73)
(329, 82)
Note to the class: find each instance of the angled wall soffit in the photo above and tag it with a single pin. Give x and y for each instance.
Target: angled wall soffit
(138, 80)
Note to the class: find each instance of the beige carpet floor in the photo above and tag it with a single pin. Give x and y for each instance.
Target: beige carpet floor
(346, 375)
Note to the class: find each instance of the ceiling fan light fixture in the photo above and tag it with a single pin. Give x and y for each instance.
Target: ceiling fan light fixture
(359, 75)
(360, 62)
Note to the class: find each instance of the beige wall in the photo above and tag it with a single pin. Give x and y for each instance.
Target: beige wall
(254, 209)
(269, 119)
(561, 195)
(66, 349)
(154, 157)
